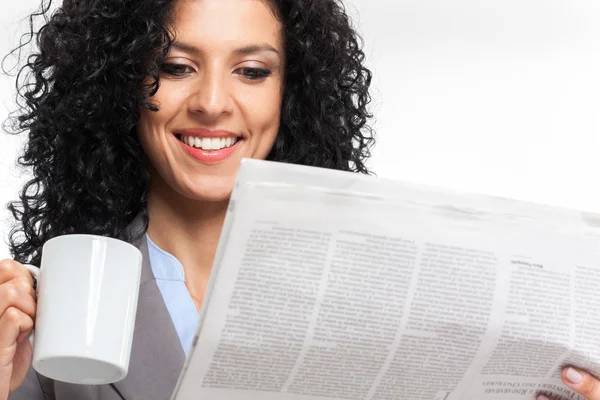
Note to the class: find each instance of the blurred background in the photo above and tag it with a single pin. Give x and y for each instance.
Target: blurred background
(498, 97)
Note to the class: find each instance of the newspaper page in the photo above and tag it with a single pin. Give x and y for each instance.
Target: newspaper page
(330, 285)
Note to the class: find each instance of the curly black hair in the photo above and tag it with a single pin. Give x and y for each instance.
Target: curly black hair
(95, 66)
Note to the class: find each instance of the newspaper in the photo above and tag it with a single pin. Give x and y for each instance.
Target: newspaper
(334, 285)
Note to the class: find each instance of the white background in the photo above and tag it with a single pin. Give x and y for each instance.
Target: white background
(491, 96)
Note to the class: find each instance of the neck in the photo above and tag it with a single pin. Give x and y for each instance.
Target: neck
(187, 229)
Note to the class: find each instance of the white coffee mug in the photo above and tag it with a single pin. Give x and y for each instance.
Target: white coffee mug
(87, 295)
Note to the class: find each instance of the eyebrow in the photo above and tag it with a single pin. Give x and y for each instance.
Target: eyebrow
(257, 49)
(252, 49)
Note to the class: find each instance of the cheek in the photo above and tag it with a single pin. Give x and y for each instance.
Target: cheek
(151, 132)
(170, 100)
(263, 113)
(148, 130)
(153, 125)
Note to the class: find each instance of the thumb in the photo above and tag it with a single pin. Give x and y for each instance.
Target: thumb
(581, 382)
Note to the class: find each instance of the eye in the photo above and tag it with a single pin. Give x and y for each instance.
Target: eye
(254, 74)
(177, 70)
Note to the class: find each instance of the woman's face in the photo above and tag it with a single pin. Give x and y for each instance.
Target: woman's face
(219, 98)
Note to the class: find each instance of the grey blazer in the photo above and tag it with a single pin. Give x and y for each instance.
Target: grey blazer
(157, 356)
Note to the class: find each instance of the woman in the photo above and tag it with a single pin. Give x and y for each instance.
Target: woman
(138, 117)
(139, 113)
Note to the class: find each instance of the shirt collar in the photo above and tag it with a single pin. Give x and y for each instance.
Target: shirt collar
(164, 265)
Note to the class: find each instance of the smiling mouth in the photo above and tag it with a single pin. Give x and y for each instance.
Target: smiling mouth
(207, 143)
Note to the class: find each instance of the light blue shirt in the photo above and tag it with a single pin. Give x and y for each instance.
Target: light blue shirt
(170, 279)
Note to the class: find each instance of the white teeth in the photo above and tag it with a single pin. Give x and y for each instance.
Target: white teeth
(209, 143)
(206, 144)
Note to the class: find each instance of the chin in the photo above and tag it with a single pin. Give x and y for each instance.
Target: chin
(216, 197)
(210, 192)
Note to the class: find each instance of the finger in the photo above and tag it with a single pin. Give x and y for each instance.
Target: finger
(582, 383)
(10, 269)
(17, 293)
(548, 397)
(13, 322)
(25, 286)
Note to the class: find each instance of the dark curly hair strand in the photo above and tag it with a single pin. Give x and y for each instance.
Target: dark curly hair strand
(97, 64)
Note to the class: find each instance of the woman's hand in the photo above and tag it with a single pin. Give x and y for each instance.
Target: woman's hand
(17, 313)
(581, 382)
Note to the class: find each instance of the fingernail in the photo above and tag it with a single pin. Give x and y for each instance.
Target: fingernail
(542, 397)
(573, 376)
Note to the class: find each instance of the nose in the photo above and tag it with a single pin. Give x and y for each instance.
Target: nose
(210, 95)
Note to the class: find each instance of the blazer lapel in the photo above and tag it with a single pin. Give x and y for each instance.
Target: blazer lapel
(157, 357)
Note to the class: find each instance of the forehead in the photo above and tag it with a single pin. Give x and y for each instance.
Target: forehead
(226, 22)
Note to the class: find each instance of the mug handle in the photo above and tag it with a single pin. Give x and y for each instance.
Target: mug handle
(35, 272)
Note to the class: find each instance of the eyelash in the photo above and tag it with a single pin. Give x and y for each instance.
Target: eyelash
(175, 69)
(255, 74)
(180, 70)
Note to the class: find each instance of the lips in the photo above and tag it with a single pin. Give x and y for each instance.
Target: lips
(208, 146)
(207, 143)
